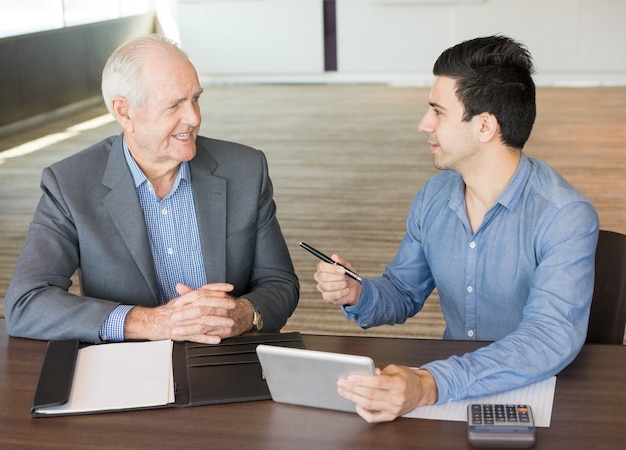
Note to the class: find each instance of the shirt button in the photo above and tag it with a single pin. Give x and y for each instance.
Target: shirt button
(472, 244)
(470, 333)
(470, 289)
(164, 211)
(170, 251)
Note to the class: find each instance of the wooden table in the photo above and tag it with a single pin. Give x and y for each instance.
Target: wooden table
(589, 409)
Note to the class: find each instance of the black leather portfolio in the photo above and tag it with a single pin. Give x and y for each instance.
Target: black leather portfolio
(203, 374)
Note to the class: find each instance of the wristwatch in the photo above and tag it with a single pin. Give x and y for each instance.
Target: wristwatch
(257, 319)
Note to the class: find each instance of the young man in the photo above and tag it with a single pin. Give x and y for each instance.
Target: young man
(507, 242)
(174, 235)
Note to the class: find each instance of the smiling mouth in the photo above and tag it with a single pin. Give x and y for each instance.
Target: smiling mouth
(182, 136)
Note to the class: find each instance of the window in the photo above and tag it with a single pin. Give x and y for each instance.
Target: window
(29, 16)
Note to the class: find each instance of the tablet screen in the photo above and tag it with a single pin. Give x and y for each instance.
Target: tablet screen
(309, 377)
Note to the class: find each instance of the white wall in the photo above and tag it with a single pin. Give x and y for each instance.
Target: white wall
(572, 41)
(252, 36)
(582, 41)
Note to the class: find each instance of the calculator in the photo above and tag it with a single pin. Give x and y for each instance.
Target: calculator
(500, 425)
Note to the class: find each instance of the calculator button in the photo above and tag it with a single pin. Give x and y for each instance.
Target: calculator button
(522, 412)
(499, 414)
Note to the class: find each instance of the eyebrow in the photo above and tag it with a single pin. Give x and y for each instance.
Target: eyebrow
(182, 99)
(437, 105)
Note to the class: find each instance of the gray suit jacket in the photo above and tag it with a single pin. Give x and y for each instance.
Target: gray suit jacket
(89, 219)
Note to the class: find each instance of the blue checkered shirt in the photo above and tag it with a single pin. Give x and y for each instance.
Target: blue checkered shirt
(174, 241)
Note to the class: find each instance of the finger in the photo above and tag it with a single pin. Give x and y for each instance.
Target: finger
(369, 409)
(329, 273)
(333, 286)
(223, 287)
(336, 297)
(215, 326)
(341, 260)
(183, 289)
(203, 308)
(200, 338)
(359, 396)
(371, 416)
(198, 313)
(384, 388)
(344, 292)
(204, 297)
(324, 270)
(371, 388)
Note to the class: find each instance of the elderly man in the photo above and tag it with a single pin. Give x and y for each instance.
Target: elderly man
(174, 235)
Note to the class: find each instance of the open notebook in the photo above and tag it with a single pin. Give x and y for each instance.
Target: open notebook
(119, 376)
(157, 374)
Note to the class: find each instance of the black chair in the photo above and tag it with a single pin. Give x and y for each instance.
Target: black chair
(608, 307)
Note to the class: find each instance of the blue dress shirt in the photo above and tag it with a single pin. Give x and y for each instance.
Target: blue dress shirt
(174, 241)
(524, 279)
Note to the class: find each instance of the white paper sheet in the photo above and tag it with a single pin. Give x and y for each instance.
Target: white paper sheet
(120, 376)
(540, 397)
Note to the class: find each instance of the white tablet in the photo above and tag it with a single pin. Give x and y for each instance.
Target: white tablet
(309, 377)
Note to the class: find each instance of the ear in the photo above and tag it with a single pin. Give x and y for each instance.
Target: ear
(121, 109)
(489, 128)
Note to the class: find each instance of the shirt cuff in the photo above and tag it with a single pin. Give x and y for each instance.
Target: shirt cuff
(361, 310)
(438, 370)
(112, 329)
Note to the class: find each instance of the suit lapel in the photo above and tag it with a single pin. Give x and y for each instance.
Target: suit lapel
(210, 202)
(123, 207)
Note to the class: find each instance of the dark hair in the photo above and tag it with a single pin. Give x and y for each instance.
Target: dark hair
(494, 74)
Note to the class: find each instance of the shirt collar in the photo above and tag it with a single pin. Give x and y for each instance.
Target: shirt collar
(511, 194)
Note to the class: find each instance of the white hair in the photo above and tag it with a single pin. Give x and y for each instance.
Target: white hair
(121, 75)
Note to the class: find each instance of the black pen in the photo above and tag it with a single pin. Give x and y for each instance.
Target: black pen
(325, 258)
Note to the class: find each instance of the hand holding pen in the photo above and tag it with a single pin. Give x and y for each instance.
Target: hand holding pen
(327, 259)
(336, 289)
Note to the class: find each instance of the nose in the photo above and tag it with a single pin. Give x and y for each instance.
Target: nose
(192, 114)
(426, 125)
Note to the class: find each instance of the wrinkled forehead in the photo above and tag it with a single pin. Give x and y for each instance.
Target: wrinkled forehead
(170, 74)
